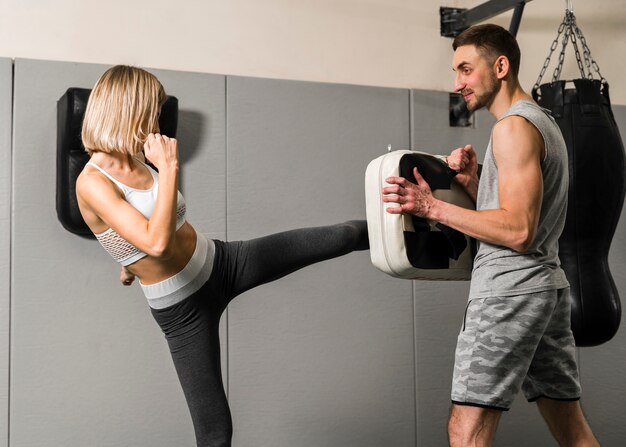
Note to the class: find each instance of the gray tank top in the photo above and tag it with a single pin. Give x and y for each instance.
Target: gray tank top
(500, 271)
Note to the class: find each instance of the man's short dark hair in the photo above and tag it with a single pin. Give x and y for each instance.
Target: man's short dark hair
(491, 41)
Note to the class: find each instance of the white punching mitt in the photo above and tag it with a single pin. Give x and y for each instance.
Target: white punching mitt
(411, 247)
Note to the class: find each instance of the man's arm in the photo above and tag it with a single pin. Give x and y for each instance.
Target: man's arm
(518, 150)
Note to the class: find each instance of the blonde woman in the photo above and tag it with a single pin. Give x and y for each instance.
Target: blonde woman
(138, 215)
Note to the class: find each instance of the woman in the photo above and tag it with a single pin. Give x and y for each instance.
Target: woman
(139, 218)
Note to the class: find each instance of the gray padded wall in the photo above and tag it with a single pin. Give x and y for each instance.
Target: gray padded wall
(323, 357)
(6, 91)
(89, 365)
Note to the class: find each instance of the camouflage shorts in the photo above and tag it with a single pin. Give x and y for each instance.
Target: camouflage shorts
(509, 343)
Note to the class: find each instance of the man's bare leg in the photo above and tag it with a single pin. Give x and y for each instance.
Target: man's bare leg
(567, 423)
(472, 426)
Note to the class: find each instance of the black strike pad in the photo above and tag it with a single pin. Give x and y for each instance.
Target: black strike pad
(596, 196)
(428, 249)
(71, 155)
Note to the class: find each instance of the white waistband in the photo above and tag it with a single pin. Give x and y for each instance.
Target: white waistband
(193, 276)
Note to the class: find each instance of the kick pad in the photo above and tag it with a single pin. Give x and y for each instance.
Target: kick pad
(411, 247)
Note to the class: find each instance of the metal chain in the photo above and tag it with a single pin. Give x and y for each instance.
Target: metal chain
(588, 57)
(578, 59)
(557, 71)
(586, 52)
(555, 43)
(570, 31)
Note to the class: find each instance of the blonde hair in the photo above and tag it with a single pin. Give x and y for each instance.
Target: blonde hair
(123, 108)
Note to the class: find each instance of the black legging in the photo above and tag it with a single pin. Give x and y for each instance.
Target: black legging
(191, 327)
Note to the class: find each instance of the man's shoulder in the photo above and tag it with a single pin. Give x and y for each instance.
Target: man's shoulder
(512, 126)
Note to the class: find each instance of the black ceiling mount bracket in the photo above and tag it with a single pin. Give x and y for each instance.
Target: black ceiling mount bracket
(456, 20)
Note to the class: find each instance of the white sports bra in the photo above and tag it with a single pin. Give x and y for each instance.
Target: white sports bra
(143, 200)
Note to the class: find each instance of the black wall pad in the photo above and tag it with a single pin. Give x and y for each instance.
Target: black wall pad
(71, 155)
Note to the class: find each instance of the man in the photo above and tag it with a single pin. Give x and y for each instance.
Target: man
(516, 333)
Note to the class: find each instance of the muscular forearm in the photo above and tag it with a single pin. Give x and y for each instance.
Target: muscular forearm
(498, 227)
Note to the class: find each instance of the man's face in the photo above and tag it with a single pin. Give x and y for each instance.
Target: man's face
(475, 78)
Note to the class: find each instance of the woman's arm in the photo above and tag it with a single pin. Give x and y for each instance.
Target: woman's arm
(154, 236)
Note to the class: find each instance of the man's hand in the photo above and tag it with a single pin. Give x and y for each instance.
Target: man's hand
(413, 198)
(464, 161)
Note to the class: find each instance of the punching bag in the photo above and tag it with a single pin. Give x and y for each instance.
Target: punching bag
(597, 185)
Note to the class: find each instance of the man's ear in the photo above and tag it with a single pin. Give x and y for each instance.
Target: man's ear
(502, 67)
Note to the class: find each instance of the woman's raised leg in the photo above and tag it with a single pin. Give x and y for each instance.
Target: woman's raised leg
(259, 261)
